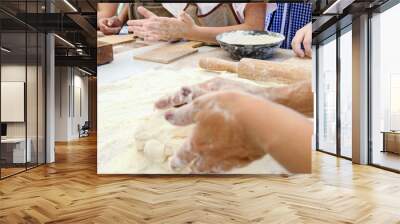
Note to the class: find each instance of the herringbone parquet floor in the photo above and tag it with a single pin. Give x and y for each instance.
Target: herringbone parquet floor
(70, 191)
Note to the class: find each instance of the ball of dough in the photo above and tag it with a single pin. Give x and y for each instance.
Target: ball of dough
(141, 137)
(154, 150)
(140, 144)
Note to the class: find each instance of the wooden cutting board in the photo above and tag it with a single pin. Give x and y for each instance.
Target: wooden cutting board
(170, 53)
(116, 39)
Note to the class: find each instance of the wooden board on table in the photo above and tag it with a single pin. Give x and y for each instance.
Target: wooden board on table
(169, 53)
(116, 39)
(104, 53)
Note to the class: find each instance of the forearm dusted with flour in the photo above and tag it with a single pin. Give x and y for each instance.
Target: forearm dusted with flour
(271, 125)
(235, 128)
(298, 96)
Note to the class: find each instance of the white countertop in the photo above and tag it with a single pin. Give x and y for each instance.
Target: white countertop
(124, 65)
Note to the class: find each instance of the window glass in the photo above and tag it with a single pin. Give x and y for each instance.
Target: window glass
(327, 97)
(22, 89)
(346, 94)
(385, 89)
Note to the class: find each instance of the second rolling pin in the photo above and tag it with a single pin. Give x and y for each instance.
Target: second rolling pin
(259, 70)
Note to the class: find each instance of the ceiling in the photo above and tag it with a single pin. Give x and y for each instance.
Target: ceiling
(40, 5)
(22, 21)
(329, 16)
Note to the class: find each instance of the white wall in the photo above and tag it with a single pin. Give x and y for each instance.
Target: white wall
(12, 73)
(82, 82)
(15, 73)
(33, 126)
(70, 84)
(62, 81)
(12, 101)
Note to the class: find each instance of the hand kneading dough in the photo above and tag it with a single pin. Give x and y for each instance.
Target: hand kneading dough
(125, 145)
(157, 140)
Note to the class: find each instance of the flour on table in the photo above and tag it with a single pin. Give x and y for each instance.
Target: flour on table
(134, 138)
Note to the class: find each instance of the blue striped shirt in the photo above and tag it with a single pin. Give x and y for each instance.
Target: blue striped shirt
(297, 16)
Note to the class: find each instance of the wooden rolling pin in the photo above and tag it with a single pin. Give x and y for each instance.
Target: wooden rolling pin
(259, 70)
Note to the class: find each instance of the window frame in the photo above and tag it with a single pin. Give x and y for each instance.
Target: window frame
(334, 37)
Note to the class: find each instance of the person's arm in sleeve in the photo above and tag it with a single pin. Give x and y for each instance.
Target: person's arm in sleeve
(254, 20)
(183, 27)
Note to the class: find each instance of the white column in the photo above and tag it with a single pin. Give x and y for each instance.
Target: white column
(360, 90)
(50, 99)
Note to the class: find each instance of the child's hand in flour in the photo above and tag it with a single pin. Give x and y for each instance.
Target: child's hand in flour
(297, 96)
(189, 93)
(220, 140)
(233, 129)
